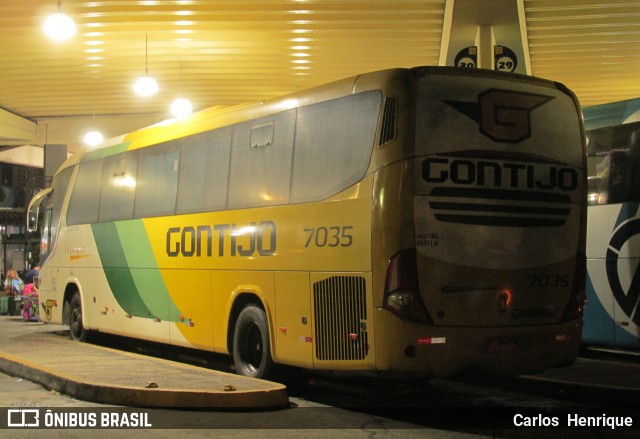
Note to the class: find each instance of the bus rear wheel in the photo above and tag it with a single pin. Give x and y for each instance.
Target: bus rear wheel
(76, 329)
(251, 348)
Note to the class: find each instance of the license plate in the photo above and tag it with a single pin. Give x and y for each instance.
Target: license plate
(501, 346)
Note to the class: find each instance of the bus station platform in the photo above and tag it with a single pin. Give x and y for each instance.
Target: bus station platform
(44, 354)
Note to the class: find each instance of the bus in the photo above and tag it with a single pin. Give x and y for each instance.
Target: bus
(612, 318)
(408, 222)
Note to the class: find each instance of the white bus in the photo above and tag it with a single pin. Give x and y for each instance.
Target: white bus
(612, 318)
(419, 221)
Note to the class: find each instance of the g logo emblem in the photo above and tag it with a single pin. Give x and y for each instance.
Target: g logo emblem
(503, 115)
(627, 300)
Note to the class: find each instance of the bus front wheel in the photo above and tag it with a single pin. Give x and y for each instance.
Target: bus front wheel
(76, 329)
(251, 348)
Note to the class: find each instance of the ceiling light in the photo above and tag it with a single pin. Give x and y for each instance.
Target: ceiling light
(93, 138)
(59, 26)
(146, 85)
(181, 107)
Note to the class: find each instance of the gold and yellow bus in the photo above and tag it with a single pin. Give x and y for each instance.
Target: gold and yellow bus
(418, 221)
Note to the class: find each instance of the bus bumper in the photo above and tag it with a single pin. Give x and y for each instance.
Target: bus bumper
(406, 348)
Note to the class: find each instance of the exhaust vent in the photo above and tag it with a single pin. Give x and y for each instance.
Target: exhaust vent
(340, 318)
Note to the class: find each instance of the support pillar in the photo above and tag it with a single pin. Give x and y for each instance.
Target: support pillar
(54, 156)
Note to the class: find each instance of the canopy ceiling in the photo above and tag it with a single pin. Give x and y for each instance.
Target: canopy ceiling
(224, 52)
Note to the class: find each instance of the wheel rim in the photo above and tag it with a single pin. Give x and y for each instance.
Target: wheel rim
(76, 322)
(253, 349)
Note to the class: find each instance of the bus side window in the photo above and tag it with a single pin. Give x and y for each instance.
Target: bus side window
(85, 197)
(260, 172)
(204, 171)
(617, 177)
(614, 164)
(334, 143)
(157, 180)
(46, 241)
(633, 170)
(53, 209)
(118, 186)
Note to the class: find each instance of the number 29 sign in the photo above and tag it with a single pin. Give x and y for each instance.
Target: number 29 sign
(504, 59)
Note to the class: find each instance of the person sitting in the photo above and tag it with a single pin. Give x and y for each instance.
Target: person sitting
(13, 287)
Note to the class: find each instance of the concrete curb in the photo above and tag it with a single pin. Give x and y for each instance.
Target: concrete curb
(143, 397)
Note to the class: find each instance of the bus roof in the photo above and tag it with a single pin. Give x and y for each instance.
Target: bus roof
(220, 116)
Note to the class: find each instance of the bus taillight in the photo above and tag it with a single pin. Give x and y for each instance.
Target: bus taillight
(402, 291)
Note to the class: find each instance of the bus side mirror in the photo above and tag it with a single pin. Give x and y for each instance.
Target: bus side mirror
(32, 219)
(33, 212)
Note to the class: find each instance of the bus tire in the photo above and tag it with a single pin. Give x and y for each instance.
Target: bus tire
(251, 347)
(76, 329)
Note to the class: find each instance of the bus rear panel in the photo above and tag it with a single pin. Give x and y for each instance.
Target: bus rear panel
(495, 279)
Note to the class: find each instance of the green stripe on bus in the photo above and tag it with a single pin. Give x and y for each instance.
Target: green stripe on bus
(119, 277)
(146, 276)
(105, 152)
